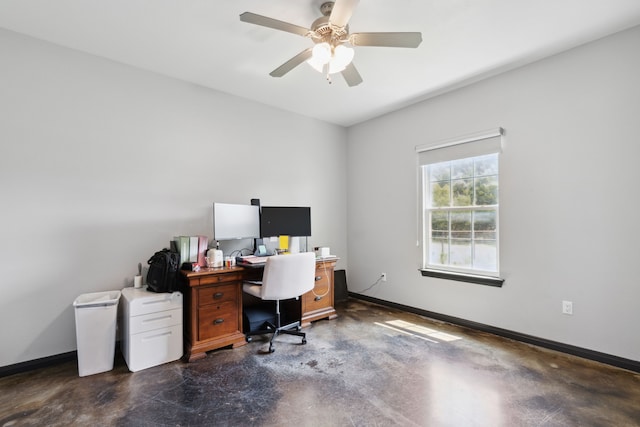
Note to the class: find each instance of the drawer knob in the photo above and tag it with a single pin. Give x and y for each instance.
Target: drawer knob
(317, 298)
(218, 321)
(318, 278)
(218, 295)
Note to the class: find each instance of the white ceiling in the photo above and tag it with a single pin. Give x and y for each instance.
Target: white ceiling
(204, 42)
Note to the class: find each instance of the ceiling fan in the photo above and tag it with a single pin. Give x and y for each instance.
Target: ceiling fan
(330, 34)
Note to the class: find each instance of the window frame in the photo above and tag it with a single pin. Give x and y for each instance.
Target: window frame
(469, 146)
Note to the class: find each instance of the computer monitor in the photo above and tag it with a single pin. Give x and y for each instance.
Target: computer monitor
(285, 221)
(232, 222)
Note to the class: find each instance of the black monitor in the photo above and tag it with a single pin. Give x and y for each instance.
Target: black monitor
(285, 221)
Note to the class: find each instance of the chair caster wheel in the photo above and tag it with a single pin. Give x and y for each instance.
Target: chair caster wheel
(248, 339)
(304, 340)
(271, 349)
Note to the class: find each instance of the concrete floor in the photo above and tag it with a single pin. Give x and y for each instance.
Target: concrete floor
(372, 366)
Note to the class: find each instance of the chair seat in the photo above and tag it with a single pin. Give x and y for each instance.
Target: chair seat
(252, 288)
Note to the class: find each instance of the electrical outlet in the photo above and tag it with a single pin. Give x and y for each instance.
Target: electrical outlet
(383, 276)
(567, 307)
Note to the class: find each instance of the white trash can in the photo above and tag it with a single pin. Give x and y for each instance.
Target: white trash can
(96, 318)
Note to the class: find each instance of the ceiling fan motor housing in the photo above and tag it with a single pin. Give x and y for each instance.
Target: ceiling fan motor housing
(323, 31)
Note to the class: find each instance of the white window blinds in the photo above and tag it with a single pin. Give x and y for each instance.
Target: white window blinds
(473, 145)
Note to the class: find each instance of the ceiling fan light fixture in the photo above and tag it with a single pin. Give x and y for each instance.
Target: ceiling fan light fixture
(316, 65)
(321, 53)
(342, 56)
(338, 58)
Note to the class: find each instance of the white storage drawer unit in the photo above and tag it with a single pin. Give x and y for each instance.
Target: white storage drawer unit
(151, 328)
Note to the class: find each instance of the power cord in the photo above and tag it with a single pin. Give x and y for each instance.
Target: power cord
(370, 287)
(239, 252)
(326, 274)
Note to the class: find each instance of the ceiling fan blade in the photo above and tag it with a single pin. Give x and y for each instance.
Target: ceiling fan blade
(386, 39)
(351, 75)
(292, 63)
(342, 11)
(265, 21)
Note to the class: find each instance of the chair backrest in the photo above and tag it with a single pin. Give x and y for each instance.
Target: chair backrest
(288, 276)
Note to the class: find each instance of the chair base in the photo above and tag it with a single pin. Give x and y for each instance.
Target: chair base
(270, 328)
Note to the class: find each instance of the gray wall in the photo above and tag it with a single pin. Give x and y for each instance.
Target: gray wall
(568, 195)
(102, 164)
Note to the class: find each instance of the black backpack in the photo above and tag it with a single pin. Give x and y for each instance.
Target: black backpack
(164, 267)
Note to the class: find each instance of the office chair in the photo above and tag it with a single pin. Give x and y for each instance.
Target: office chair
(284, 277)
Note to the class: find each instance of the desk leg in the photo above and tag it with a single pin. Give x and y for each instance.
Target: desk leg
(192, 357)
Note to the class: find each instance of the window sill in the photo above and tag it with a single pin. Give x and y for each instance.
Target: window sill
(460, 277)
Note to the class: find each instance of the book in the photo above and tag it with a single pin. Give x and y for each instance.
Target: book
(192, 249)
(203, 243)
(194, 246)
(182, 242)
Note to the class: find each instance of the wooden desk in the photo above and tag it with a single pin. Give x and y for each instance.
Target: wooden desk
(213, 306)
(212, 310)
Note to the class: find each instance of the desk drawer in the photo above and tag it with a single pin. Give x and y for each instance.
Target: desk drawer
(143, 302)
(217, 294)
(311, 303)
(152, 348)
(321, 296)
(217, 321)
(152, 321)
(221, 278)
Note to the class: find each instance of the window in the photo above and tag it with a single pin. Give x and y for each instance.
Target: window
(459, 208)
